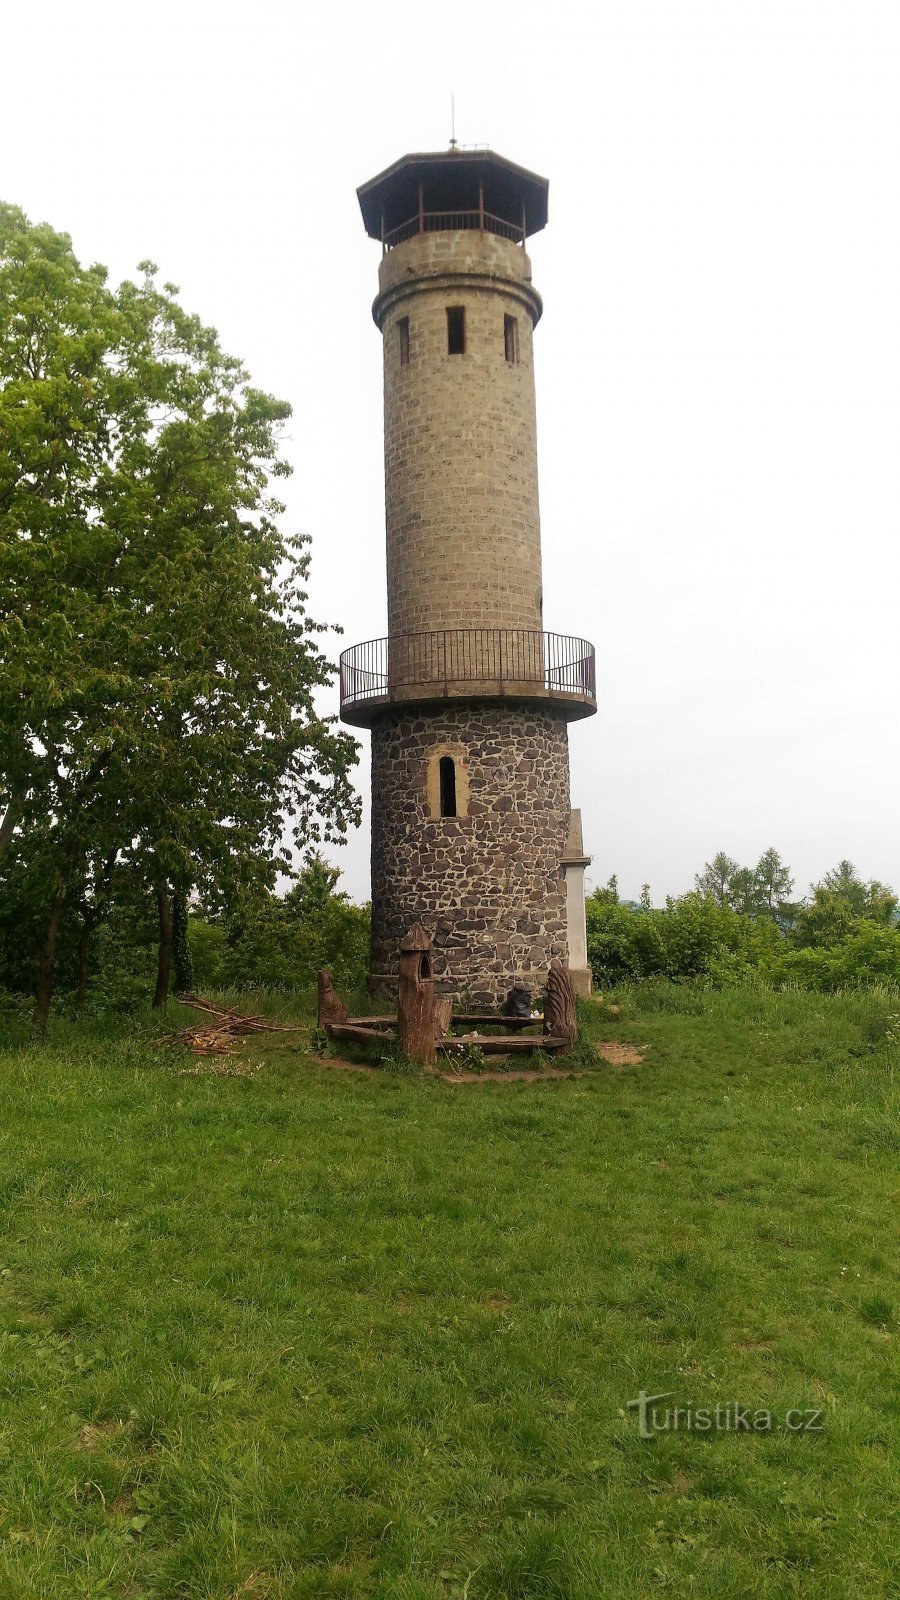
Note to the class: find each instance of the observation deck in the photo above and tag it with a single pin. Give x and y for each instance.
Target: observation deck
(467, 664)
(453, 190)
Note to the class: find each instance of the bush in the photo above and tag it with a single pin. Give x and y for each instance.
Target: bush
(693, 937)
(281, 943)
(696, 938)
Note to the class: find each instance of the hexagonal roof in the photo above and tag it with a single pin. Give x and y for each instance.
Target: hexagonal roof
(450, 182)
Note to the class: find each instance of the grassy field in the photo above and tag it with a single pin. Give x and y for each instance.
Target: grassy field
(310, 1333)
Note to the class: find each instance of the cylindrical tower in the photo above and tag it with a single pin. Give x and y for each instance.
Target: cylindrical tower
(467, 698)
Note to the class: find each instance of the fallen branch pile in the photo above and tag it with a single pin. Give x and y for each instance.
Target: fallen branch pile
(217, 1037)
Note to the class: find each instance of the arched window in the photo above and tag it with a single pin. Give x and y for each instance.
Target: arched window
(448, 786)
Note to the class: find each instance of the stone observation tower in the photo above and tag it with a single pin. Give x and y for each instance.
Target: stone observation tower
(468, 699)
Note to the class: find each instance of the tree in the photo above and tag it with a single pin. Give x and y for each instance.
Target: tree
(716, 879)
(283, 941)
(839, 908)
(159, 666)
(609, 893)
(759, 891)
(772, 884)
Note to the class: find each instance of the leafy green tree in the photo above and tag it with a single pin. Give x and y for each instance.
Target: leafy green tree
(608, 894)
(158, 663)
(282, 941)
(839, 905)
(772, 884)
(760, 891)
(717, 878)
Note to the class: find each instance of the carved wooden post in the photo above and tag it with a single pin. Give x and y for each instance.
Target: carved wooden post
(559, 1005)
(415, 997)
(443, 1010)
(331, 1006)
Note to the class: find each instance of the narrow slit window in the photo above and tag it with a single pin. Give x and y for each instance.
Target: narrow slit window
(456, 330)
(448, 786)
(511, 340)
(403, 333)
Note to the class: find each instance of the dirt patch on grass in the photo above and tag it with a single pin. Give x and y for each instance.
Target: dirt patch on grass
(610, 1051)
(618, 1055)
(95, 1434)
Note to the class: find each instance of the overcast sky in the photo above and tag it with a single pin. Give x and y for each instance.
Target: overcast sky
(718, 366)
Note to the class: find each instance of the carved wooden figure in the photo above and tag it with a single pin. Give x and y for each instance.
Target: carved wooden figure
(415, 997)
(331, 1006)
(559, 1005)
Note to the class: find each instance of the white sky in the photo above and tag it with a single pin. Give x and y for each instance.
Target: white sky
(718, 366)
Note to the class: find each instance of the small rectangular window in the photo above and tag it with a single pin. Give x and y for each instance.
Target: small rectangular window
(456, 330)
(448, 786)
(511, 339)
(403, 331)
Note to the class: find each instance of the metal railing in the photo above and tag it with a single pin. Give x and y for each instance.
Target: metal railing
(440, 662)
(449, 222)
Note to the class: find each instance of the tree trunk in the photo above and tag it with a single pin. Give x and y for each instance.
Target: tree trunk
(164, 963)
(10, 818)
(44, 990)
(181, 950)
(93, 916)
(84, 948)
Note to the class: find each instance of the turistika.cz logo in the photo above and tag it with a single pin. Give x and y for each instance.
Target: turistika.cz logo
(723, 1417)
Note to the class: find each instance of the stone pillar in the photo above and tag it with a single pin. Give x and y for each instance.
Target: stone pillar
(574, 862)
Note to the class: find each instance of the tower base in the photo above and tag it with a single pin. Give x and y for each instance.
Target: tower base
(487, 883)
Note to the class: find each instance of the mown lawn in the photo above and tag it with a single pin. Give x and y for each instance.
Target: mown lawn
(310, 1333)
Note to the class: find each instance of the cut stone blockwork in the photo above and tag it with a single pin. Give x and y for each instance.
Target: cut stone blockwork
(488, 885)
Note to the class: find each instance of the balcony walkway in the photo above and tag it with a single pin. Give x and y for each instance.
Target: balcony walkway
(467, 664)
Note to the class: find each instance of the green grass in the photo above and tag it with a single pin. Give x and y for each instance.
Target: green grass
(309, 1333)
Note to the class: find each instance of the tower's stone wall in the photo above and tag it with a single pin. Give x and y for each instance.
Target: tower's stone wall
(461, 483)
(487, 884)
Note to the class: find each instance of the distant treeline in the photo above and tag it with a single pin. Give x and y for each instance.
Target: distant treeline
(741, 924)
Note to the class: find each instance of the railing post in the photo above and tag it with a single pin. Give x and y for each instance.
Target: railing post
(421, 209)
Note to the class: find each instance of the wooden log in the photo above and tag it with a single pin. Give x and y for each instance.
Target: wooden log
(559, 1005)
(495, 1020)
(354, 1032)
(331, 1006)
(415, 997)
(501, 1045)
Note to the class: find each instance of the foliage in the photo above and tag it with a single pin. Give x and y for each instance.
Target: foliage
(763, 890)
(159, 665)
(693, 937)
(281, 943)
(742, 929)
